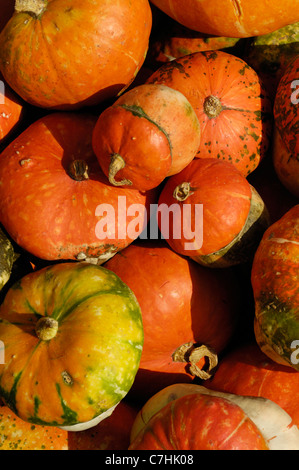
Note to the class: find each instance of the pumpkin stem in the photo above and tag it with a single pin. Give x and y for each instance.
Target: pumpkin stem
(78, 170)
(33, 7)
(46, 328)
(117, 163)
(182, 191)
(212, 106)
(189, 352)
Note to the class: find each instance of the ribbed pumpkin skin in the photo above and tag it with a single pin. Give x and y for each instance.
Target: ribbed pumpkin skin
(199, 422)
(45, 210)
(90, 365)
(230, 102)
(247, 371)
(17, 434)
(154, 129)
(75, 53)
(239, 18)
(274, 279)
(181, 302)
(286, 136)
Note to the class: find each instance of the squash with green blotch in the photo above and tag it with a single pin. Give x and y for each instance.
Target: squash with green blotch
(7, 258)
(73, 337)
(275, 281)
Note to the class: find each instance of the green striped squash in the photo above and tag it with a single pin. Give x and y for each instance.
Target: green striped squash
(73, 337)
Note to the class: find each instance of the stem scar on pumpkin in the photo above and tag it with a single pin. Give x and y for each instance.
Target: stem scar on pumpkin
(183, 191)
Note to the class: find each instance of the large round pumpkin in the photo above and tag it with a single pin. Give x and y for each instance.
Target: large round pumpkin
(55, 201)
(274, 279)
(231, 104)
(69, 54)
(238, 18)
(72, 335)
(149, 133)
(189, 313)
(211, 213)
(286, 135)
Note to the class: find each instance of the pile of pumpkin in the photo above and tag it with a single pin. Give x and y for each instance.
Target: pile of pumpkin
(149, 211)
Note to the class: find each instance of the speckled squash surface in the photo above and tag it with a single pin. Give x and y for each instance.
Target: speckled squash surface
(17, 434)
(11, 110)
(274, 279)
(231, 104)
(285, 151)
(70, 54)
(53, 193)
(73, 337)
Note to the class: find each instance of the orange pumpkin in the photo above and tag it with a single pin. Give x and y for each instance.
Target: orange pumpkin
(238, 18)
(70, 54)
(54, 196)
(232, 107)
(149, 133)
(211, 213)
(189, 313)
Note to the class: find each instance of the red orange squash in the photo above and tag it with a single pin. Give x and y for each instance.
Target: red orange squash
(55, 201)
(231, 104)
(238, 18)
(66, 54)
(274, 280)
(211, 213)
(149, 133)
(189, 313)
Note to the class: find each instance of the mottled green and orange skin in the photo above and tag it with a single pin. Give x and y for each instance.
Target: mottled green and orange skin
(200, 422)
(240, 130)
(90, 365)
(153, 128)
(75, 53)
(275, 280)
(286, 133)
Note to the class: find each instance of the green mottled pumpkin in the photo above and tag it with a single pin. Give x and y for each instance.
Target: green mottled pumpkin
(73, 338)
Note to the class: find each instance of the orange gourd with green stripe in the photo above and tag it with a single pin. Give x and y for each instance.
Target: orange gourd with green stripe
(73, 336)
(149, 133)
